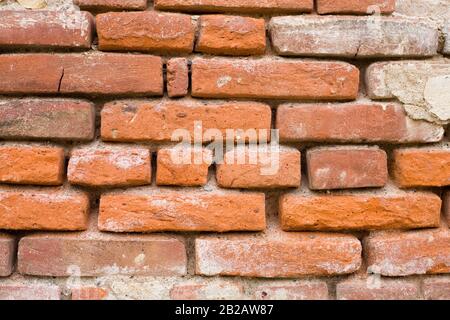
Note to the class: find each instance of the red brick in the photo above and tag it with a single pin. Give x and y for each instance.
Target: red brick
(95, 254)
(246, 6)
(281, 256)
(246, 167)
(183, 166)
(269, 78)
(111, 5)
(409, 253)
(301, 290)
(356, 122)
(375, 288)
(177, 77)
(43, 209)
(360, 211)
(129, 120)
(422, 167)
(221, 290)
(47, 119)
(447, 207)
(29, 292)
(145, 31)
(94, 74)
(231, 35)
(437, 288)
(110, 166)
(25, 164)
(46, 29)
(89, 293)
(166, 210)
(358, 7)
(346, 167)
(7, 254)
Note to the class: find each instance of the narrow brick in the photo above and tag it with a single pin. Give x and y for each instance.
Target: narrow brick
(269, 78)
(355, 122)
(409, 253)
(231, 35)
(110, 167)
(91, 254)
(7, 254)
(447, 206)
(218, 290)
(422, 167)
(346, 167)
(38, 165)
(43, 209)
(111, 5)
(166, 210)
(436, 288)
(183, 166)
(244, 6)
(374, 288)
(129, 120)
(353, 37)
(245, 167)
(355, 7)
(89, 293)
(362, 211)
(93, 74)
(47, 119)
(29, 292)
(446, 31)
(148, 31)
(177, 77)
(299, 290)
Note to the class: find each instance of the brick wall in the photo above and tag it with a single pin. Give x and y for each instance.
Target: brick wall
(94, 205)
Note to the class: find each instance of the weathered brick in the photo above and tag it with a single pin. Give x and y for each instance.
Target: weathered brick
(95, 74)
(7, 254)
(281, 256)
(355, 7)
(438, 10)
(145, 31)
(300, 290)
(355, 122)
(422, 167)
(183, 166)
(29, 292)
(436, 288)
(111, 5)
(446, 31)
(270, 78)
(364, 211)
(46, 29)
(47, 119)
(152, 211)
(409, 253)
(246, 6)
(447, 206)
(346, 167)
(219, 290)
(43, 209)
(110, 166)
(376, 288)
(25, 164)
(231, 35)
(245, 167)
(177, 77)
(129, 120)
(96, 254)
(89, 293)
(353, 37)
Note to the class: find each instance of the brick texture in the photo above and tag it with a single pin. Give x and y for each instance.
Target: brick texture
(89, 293)
(111, 5)
(7, 254)
(301, 290)
(436, 288)
(356, 7)
(177, 77)
(29, 292)
(374, 288)
(208, 291)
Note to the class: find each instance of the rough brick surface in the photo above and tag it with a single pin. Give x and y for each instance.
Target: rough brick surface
(211, 291)
(47, 119)
(436, 288)
(231, 35)
(359, 211)
(38, 165)
(353, 37)
(46, 29)
(177, 77)
(301, 290)
(374, 288)
(111, 5)
(89, 293)
(447, 39)
(273, 79)
(110, 166)
(346, 167)
(182, 211)
(358, 7)
(447, 206)
(29, 292)
(145, 31)
(7, 254)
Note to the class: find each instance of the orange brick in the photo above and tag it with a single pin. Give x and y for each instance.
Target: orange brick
(374, 288)
(23, 164)
(153, 211)
(447, 207)
(43, 209)
(29, 292)
(110, 166)
(301, 290)
(111, 5)
(422, 167)
(145, 31)
(7, 254)
(89, 293)
(358, 7)
(177, 77)
(269, 78)
(231, 35)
